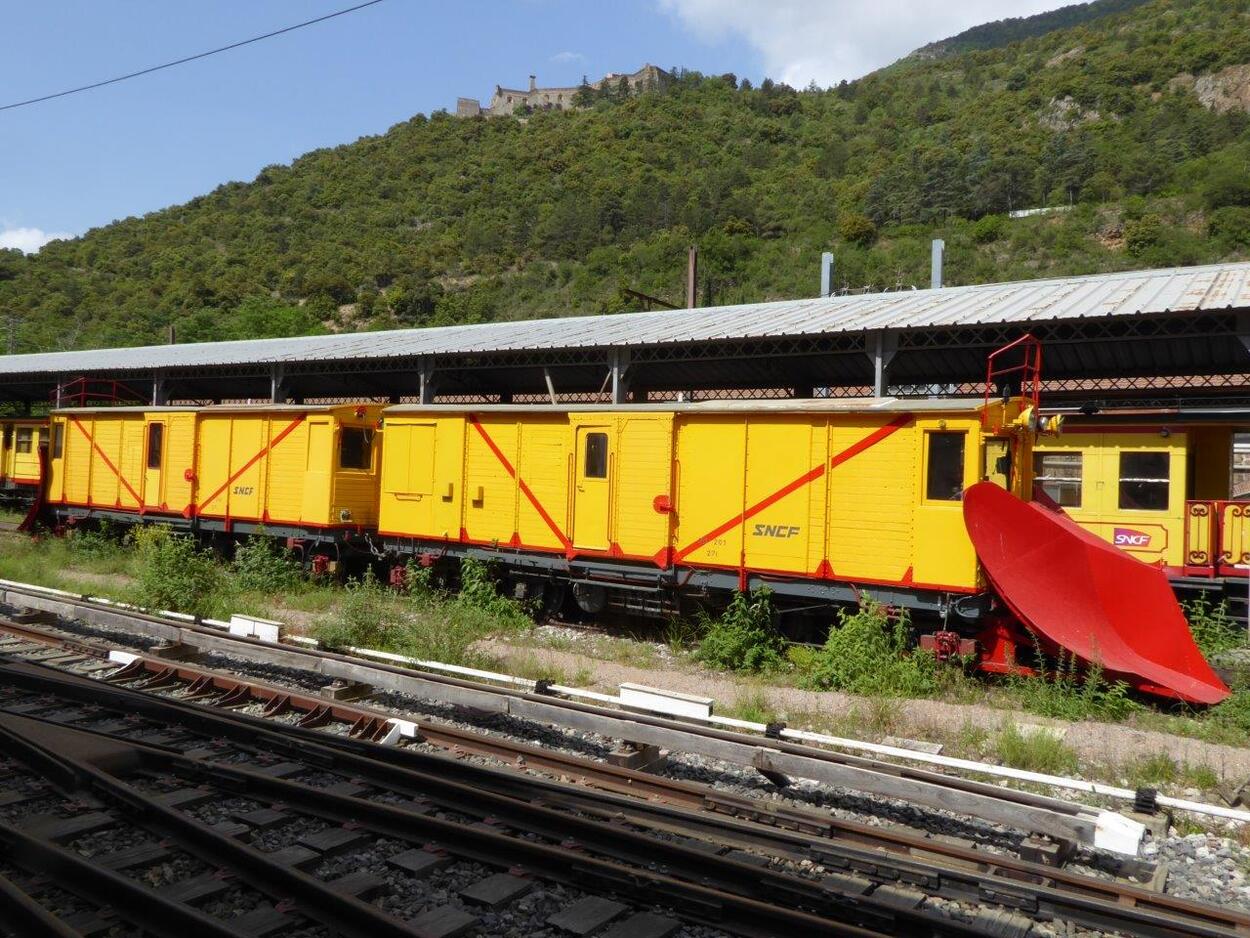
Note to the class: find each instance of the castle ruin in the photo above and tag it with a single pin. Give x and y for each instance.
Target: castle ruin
(506, 101)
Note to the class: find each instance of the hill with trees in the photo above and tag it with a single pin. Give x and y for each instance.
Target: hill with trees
(1015, 28)
(1131, 126)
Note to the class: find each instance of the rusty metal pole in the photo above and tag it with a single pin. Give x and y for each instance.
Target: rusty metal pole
(692, 278)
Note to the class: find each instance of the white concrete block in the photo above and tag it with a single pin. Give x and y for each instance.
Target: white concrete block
(670, 702)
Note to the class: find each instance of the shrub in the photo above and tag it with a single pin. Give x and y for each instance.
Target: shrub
(1212, 627)
(743, 638)
(478, 591)
(987, 228)
(1230, 225)
(867, 653)
(261, 563)
(1143, 234)
(857, 228)
(175, 573)
(364, 617)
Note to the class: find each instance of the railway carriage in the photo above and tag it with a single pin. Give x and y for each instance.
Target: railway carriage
(1160, 487)
(20, 439)
(815, 499)
(305, 472)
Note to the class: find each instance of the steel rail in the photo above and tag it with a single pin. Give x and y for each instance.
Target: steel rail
(1013, 884)
(108, 760)
(1021, 810)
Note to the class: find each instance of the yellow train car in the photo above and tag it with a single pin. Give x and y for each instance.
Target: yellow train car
(627, 503)
(20, 439)
(1160, 487)
(295, 470)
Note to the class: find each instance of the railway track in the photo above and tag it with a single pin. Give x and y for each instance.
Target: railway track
(866, 861)
(778, 758)
(252, 818)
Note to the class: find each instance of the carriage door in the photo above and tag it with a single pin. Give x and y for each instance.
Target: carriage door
(154, 461)
(591, 494)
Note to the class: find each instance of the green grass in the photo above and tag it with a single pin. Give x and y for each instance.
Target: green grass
(1160, 769)
(1034, 751)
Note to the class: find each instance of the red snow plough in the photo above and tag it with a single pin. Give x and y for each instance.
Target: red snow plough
(1069, 592)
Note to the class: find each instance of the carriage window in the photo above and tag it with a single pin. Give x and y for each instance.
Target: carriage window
(156, 436)
(1144, 481)
(355, 448)
(58, 440)
(1059, 475)
(24, 437)
(596, 456)
(944, 480)
(8, 437)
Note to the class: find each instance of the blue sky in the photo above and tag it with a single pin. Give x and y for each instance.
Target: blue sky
(79, 162)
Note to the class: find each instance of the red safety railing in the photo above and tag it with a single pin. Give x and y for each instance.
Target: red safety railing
(1027, 364)
(84, 392)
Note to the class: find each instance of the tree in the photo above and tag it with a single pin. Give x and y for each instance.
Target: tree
(857, 228)
(585, 95)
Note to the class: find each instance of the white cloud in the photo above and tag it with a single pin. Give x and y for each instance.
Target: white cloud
(29, 240)
(568, 57)
(828, 40)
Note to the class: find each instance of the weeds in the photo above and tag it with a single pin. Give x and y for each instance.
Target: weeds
(753, 706)
(420, 622)
(867, 653)
(478, 591)
(1070, 693)
(743, 638)
(1213, 629)
(1161, 769)
(175, 573)
(261, 563)
(1036, 751)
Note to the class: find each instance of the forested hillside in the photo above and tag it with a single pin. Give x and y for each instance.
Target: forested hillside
(1134, 123)
(1016, 28)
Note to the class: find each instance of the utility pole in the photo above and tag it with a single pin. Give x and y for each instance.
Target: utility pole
(692, 278)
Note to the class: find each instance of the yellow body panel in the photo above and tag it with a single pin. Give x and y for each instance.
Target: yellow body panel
(279, 466)
(832, 495)
(1109, 500)
(19, 449)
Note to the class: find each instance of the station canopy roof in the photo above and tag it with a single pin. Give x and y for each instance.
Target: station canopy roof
(1171, 322)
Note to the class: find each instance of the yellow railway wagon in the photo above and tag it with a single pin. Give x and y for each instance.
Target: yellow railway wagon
(294, 469)
(1162, 493)
(796, 494)
(20, 439)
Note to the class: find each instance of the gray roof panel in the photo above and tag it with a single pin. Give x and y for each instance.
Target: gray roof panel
(1191, 289)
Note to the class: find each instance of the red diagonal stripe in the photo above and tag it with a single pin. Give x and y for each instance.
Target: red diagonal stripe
(806, 478)
(108, 462)
(521, 484)
(253, 461)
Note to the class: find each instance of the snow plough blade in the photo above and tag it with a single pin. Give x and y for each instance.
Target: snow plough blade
(1077, 592)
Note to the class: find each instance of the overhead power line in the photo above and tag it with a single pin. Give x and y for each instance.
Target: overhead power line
(189, 58)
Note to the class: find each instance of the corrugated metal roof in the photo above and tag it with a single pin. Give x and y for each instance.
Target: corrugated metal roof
(1186, 289)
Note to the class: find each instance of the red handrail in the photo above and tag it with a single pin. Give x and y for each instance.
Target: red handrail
(1029, 367)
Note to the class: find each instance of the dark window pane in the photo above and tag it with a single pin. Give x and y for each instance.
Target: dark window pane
(596, 456)
(58, 440)
(1144, 480)
(1059, 475)
(24, 437)
(8, 436)
(156, 437)
(945, 480)
(356, 448)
